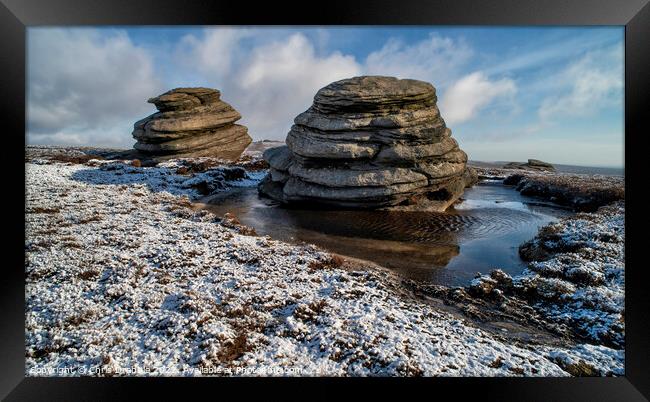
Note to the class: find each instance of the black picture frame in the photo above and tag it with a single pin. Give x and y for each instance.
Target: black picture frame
(17, 15)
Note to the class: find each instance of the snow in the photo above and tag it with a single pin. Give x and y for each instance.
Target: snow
(579, 281)
(592, 270)
(125, 277)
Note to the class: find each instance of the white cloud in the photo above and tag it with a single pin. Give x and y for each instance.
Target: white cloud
(436, 59)
(215, 53)
(548, 50)
(467, 96)
(594, 82)
(272, 78)
(271, 82)
(82, 82)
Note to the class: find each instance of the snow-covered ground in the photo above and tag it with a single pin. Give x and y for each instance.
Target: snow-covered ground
(577, 274)
(125, 277)
(579, 191)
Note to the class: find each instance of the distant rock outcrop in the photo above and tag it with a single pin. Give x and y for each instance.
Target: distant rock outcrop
(369, 142)
(532, 164)
(191, 122)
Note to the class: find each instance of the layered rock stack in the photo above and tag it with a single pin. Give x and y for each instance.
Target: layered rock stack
(191, 122)
(369, 142)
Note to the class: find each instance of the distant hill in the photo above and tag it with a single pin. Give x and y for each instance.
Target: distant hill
(607, 171)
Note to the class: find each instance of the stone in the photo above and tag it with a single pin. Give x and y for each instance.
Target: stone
(191, 122)
(532, 164)
(471, 177)
(369, 142)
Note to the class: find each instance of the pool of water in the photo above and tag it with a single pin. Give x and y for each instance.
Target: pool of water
(480, 234)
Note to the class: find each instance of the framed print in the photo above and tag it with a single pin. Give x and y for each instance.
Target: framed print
(220, 194)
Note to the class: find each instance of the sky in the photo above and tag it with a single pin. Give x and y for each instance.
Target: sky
(507, 93)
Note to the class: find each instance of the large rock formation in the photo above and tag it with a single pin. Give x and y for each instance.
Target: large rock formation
(191, 122)
(369, 142)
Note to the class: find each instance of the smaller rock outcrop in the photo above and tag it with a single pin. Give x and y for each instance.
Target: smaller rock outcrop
(532, 164)
(191, 122)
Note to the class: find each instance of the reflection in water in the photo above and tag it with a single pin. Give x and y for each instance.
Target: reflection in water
(481, 234)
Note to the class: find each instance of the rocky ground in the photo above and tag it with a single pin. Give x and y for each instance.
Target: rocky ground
(580, 192)
(575, 275)
(124, 276)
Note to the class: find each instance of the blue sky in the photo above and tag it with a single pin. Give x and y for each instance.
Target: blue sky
(507, 93)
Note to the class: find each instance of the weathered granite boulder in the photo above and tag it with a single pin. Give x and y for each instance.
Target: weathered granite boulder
(532, 164)
(191, 122)
(369, 142)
